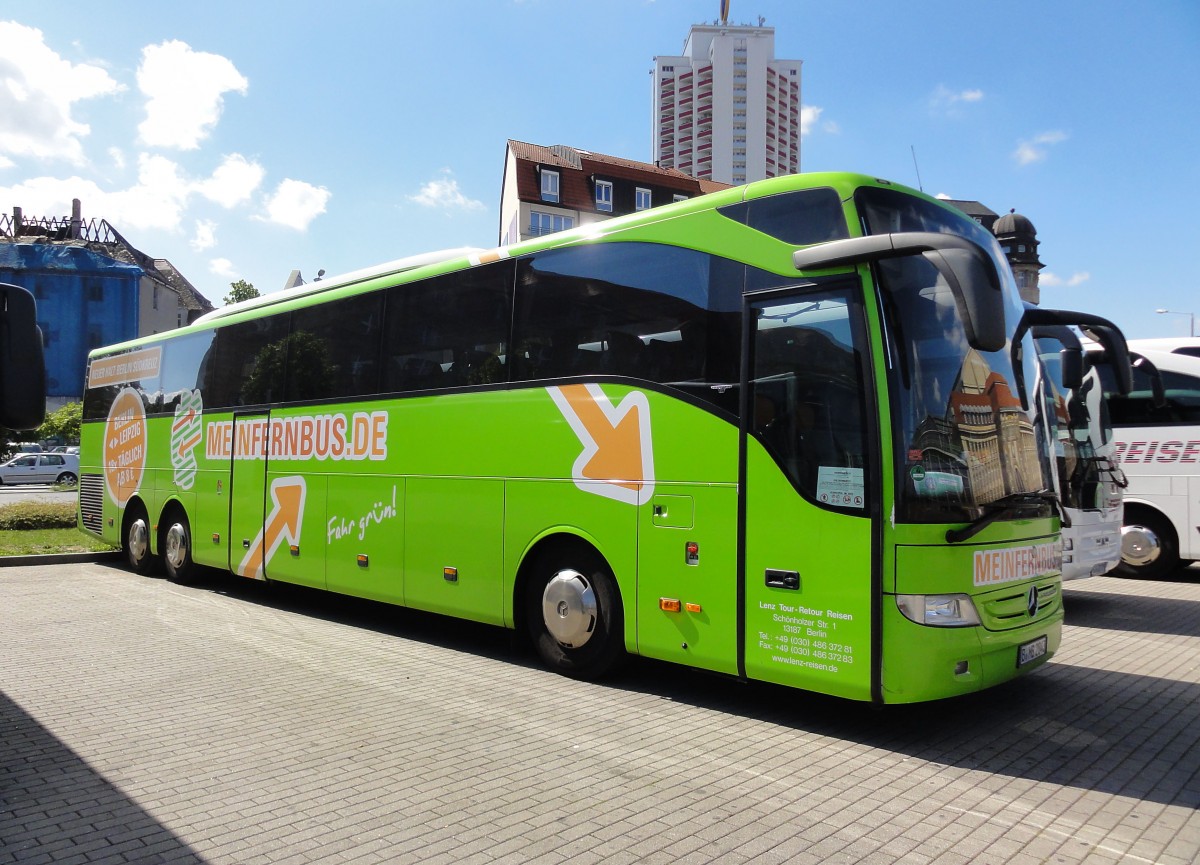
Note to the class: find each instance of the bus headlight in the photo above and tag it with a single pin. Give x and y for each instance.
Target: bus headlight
(942, 611)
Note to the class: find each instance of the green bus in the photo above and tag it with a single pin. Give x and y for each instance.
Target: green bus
(777, 432)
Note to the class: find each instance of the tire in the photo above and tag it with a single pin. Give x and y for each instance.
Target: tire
(1149, 547)
(67, 479)
(573, 614)
(176, 548)
(135, 538)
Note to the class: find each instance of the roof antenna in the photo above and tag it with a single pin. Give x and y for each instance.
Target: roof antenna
(917, 167)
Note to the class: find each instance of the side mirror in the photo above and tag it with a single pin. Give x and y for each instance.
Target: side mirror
(1101, 329)
(22, 366)
(1071, 359)
(969, 271)
(1072, 368)
(1157, 393)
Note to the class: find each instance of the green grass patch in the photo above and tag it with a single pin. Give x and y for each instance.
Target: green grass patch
(42, 542)
(43, 528)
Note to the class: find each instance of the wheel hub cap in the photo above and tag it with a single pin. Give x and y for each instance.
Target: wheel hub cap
(138, 539)
(176, 545)
(1139, 545)
(569, 608)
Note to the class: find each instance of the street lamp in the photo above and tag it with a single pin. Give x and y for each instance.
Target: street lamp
(1190, 315)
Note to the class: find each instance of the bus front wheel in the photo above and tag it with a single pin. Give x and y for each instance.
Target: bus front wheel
(573, 613)
(177, 548)
(136, 539)
(1149, 549)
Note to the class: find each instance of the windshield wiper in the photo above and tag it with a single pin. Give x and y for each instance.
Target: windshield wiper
(1001, 506)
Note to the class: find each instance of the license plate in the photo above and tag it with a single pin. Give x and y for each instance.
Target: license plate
(1031, 651)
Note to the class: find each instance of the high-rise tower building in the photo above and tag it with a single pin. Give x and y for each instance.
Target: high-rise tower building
(726, 109)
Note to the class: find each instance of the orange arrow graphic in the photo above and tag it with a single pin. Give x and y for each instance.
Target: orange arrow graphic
(283, 523)
(617, 461)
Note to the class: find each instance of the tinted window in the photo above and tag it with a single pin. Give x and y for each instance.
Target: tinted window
(333, 349)
(962, 436)
(246, 363)
(807, 393)
(799, 218)
(181, 365)
(1138, 409)
(661, 313)
(449, 331)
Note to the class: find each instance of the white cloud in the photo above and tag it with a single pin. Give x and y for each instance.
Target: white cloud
(948, 101)
(155, 201)
(1049, 280)
(233, 182)
(295, 204)
(809, 115)
(118, 158)
(1036, 149)
(223, 267)
(205, 236)
(158, 199)
(444, 193)
(944, 197)
(38, 89)
(810, 120)
(185, 93)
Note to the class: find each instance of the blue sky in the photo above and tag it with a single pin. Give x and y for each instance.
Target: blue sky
(242, 140)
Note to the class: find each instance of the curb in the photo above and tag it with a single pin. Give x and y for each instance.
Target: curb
(60, 559)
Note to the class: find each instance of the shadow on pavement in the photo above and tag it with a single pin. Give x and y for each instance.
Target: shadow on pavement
(1093, 729)
(54, 806)
(1131, 612)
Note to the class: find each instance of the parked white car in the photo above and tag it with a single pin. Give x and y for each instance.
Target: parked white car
(41, 469)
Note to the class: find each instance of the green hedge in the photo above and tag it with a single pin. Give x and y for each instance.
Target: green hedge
(37, 515)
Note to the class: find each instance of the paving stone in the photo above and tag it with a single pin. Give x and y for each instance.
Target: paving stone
(228, 723)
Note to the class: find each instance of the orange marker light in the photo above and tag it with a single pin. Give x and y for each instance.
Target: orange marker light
(362, 560)
(669, 605)
(692, 608)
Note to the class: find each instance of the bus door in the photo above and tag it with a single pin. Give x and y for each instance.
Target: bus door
(808, 458)
(248, 493)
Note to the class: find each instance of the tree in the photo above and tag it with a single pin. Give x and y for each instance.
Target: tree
(240, 290)
(62, 424)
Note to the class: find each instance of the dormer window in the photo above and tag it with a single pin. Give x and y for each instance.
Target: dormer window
(549, 185)
(604, 191)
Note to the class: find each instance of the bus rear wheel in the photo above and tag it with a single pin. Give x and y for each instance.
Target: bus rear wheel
(1149, 549)
(573, 614)
(136, 540)
(177, 548)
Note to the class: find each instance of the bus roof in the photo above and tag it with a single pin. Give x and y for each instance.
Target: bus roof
(386, 269)
(843, 181)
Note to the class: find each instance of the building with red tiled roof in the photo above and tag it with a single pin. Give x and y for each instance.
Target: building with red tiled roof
(548, 189)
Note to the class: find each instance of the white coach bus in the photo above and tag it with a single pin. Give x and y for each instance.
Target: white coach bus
(1090, 481)
(1158, 443)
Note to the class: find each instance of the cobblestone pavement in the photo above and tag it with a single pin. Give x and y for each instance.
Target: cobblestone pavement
(232, 722)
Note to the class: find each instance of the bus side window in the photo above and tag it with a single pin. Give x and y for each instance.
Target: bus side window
(636, 310)
(341, 356)
(246, 364)
(448, 331)
(1138, 408)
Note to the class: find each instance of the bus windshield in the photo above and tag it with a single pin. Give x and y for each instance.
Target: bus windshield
(963, 439)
